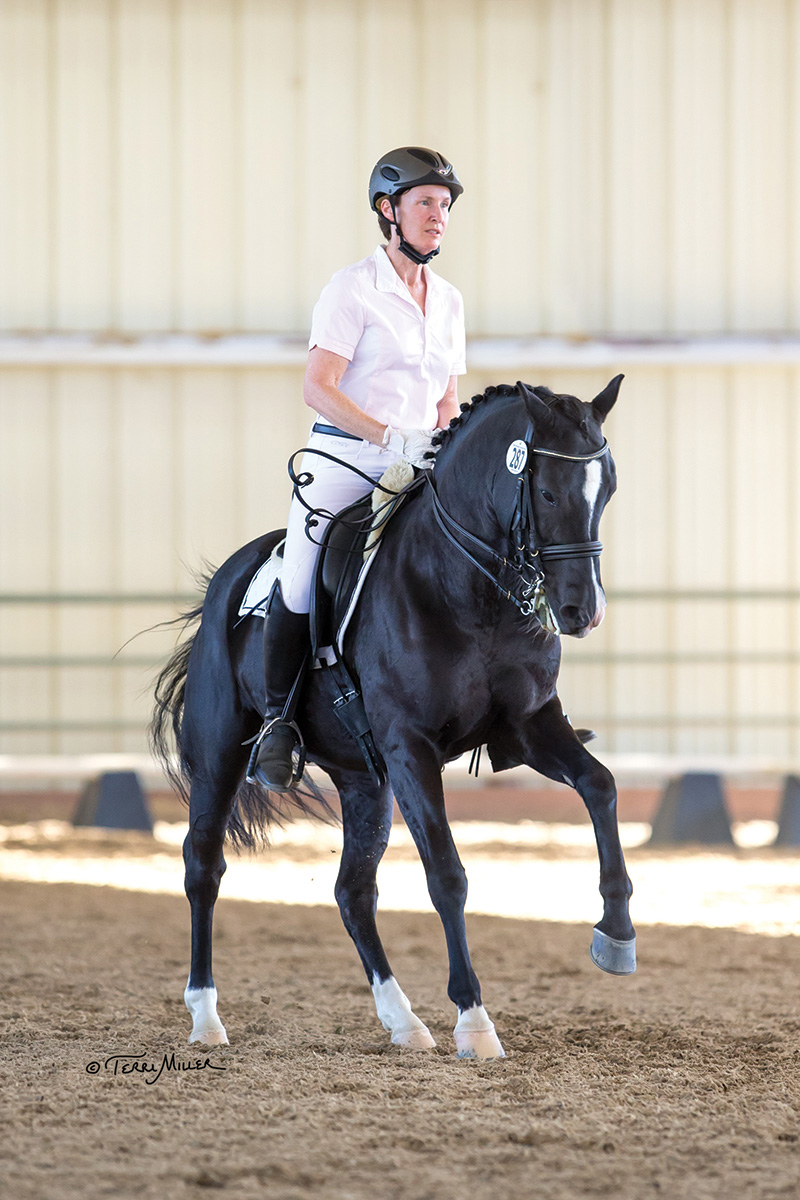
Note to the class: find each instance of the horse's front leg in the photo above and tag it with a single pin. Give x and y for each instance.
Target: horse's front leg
(417, 783)
(553, 749)
(367, 823)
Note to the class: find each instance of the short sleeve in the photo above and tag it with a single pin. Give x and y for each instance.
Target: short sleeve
(459, 366)
(337, 322)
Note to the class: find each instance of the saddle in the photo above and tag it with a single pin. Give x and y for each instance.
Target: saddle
(346, 554)
(348, 546)
(339, 565)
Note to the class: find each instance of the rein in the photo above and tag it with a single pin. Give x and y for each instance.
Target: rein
(527, 591)
(314, 515)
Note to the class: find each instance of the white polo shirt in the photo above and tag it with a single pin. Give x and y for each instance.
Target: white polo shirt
(400, 361)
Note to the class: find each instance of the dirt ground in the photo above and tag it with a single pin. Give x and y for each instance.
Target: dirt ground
(681, 1081)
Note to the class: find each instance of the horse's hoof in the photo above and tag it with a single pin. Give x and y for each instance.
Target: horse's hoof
(482, 1044)
(206, 1025)
(475, 1035)
(615, 957)
(414, 1039)
(210, 1037)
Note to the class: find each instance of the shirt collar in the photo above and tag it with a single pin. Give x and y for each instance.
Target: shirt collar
(387, 279)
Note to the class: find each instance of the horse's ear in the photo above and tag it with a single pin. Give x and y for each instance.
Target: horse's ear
(539, 411)
(604, 401)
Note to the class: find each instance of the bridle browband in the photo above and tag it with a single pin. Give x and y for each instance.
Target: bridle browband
(526, 558)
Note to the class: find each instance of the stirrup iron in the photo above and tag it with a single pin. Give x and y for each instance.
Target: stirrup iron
(263, 733)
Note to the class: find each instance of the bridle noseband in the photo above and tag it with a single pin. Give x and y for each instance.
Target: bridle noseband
(526, 590)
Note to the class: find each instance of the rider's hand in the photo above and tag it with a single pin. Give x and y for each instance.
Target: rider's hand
(412, 445)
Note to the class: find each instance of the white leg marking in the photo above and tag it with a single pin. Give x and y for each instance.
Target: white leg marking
(396, 1017)
(206, 1025)
(475, 1035)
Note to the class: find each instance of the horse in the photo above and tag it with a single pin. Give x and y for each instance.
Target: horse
(455, 642)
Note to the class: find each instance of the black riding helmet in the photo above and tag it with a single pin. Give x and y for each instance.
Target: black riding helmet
(407, 167)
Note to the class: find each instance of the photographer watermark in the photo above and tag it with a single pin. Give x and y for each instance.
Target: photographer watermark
(137, 1064)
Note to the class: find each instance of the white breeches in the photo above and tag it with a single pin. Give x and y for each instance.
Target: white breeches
(333, 488)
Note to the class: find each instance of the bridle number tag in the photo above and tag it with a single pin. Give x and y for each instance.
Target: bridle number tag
(516, 457)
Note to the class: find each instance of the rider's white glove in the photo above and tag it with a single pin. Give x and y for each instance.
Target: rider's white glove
(412, 445)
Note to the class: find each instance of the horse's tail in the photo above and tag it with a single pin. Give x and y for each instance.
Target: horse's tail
(255, 807)
(170, 691)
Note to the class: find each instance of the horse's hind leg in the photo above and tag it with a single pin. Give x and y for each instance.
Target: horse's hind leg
(553, 749)
(367, 821)
(205, 866)
(210, 803)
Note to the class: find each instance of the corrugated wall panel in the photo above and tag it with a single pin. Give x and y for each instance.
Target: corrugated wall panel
(27, 505)
(630, 166)
(697, 156)
(700, 496)
(26, 168)
(575, 218)
(147, 453)
(275, 423)
(761, 462)
(272, 219)
(792, 164)
(86, 187)
(759, 146)
(85, 474)
(510, 238)
(329, 182)
(208, 155)
(143, 276)
(208, 495)
(636, 184)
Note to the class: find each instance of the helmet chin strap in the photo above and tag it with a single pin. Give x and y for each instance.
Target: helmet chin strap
(406, 247)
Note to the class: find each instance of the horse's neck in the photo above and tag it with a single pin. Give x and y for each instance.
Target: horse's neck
(463, 490)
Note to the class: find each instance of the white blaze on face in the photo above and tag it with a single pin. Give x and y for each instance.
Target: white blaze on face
(591, 490)
(591, 487)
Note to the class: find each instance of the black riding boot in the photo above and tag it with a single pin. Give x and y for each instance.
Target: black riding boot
(286, 647)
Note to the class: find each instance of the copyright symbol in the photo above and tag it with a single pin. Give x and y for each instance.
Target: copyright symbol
(93, 1067)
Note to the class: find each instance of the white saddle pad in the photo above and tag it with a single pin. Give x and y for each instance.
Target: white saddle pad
(260, 586)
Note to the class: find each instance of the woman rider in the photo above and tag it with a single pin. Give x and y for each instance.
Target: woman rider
(387, 345)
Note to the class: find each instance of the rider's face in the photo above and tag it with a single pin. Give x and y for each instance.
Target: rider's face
(423, 213)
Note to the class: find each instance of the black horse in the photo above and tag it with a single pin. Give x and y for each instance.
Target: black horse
(450, 656)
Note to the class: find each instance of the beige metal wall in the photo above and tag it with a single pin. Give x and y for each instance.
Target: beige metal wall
(631, 165)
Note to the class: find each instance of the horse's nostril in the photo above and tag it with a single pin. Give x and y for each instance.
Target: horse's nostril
(570, 615)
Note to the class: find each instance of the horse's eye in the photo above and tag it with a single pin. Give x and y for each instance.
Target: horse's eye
(548, 496)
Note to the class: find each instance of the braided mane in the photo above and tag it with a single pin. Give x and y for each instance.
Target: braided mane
(570, 406)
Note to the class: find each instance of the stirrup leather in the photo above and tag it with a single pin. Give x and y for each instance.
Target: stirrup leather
(263, 733)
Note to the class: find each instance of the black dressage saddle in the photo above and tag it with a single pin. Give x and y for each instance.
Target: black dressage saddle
(338, 568)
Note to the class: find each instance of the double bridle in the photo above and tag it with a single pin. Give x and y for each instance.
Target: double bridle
(525, 561)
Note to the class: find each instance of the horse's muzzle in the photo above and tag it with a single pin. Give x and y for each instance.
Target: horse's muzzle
(576, 621)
